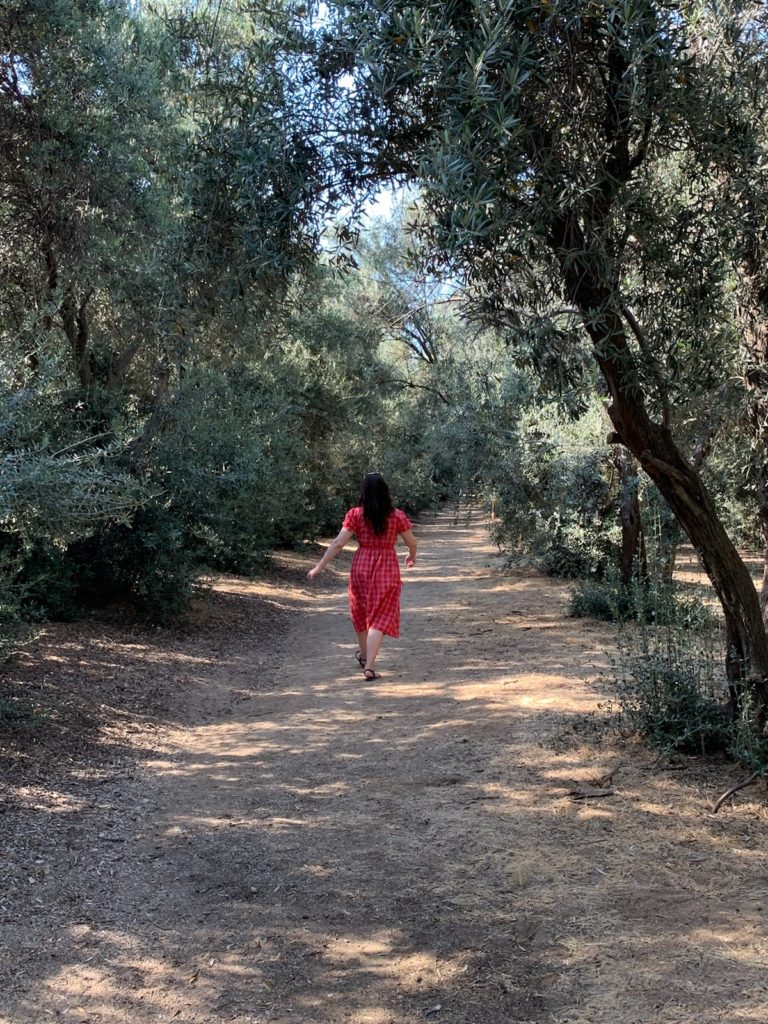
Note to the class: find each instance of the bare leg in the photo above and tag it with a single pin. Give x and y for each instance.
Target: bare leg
(362, 643)
(375, 636)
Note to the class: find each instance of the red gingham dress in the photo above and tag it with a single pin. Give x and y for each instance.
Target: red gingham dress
(374, 580)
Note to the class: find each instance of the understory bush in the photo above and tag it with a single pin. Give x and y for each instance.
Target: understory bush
(112, 496)
(60, 485)
(658, 602)
(595, 599)
(669, 692)
(669, 685)
(15, 630)
(146, 562)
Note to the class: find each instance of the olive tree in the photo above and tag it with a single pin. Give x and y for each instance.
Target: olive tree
(530, 127)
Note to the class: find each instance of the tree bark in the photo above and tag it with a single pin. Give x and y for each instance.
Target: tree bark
(51, 278)
(634, 562)
(761, 487)
(670, 534)
(74, 317)
(137, 450)
(121, 365)
(681, 486)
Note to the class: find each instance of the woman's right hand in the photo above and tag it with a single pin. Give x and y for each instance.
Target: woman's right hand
(410, 561)
(313, 572)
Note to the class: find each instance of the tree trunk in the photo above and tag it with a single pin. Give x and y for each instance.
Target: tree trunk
(670, 534)
(74, 317)
(653, 446)
(670, 537)
(137, 449)
(761, 486)
(634, 562)
(681, 486)
(121, 365)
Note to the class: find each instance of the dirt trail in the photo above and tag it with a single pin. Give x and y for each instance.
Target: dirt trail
(298, 846)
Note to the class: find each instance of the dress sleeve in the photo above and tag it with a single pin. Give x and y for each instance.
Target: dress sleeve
(403, 522)
(351, 520)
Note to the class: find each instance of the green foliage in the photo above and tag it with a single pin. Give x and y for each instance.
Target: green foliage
(60, 484)
(185, 383)
(745, 743)
(181, 388)
(556, 497)
(146, 562)
(594, 173)
(596, 599)
(667, 693)
(47, 585)
(667, 683)
(15, 630)
(653, 602)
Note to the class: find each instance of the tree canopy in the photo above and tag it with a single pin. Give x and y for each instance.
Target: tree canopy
(205, 343)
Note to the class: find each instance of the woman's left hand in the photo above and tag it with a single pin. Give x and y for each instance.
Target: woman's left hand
(313, 572)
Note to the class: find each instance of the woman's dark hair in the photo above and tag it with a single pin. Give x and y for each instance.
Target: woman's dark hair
(376, 501)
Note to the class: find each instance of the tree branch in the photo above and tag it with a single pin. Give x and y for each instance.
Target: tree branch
(421, 387)
(642, 341)
(121, 365)
(734, 789)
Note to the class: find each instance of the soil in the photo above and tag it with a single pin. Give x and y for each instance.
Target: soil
(225, 823)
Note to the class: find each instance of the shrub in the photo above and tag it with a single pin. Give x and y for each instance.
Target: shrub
(146, 562)
(594, 599)
(47, 584)
(14, 631)
(744, 744)
(655, 602)
(669, 695)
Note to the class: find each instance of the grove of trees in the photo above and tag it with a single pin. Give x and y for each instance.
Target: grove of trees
(204, 341)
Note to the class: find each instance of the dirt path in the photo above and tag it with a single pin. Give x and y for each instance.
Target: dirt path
(296, 846)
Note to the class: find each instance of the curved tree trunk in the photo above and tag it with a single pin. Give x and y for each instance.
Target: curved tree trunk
(653, 446)
(681, 486)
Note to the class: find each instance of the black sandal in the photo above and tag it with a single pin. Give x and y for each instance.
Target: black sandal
(370, 675)
(360, 658)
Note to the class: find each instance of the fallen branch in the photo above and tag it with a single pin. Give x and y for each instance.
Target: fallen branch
(590, 794)
(734, 789)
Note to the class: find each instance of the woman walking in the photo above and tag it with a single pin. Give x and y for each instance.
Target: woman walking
(374, 580)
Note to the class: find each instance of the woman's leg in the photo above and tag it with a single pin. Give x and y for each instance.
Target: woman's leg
(375, 636)
(362, 643)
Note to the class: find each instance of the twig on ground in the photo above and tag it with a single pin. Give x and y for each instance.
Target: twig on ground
(589, 794)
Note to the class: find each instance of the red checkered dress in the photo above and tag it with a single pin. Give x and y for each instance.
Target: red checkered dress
(374, 581)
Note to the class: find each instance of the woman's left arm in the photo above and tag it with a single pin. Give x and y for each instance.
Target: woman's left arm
(410, 540)
(333, 549)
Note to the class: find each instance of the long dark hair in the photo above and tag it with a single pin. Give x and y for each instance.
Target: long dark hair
(376, 501)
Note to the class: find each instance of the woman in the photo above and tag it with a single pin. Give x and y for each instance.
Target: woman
(374, 580)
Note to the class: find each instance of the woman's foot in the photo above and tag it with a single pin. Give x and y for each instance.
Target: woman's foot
(370, 675)
(361, 658)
